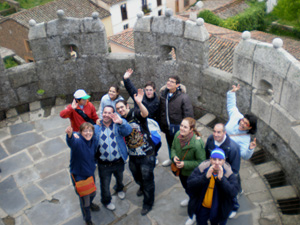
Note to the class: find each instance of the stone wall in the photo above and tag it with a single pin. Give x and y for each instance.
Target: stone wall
(164, 46)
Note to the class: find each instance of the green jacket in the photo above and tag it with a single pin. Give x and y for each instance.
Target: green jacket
(195, 155)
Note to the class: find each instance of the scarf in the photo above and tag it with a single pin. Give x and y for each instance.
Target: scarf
(185, 140)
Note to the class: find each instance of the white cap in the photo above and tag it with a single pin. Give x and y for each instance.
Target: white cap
(80, 93)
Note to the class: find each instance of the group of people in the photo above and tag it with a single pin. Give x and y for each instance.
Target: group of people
(209, 173)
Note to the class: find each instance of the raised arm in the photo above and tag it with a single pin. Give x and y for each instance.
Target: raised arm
(231, 101)
(138, 99)
(128, 84)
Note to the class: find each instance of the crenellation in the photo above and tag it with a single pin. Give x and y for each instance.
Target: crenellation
(168, 25)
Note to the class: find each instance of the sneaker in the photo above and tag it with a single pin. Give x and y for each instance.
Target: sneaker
(111, 206)
(167, 162)
(156, 161)
(121, 195)
(184, 203)
(94, 207)
(190, 221)
(90, 223)
(232, 214)
(139, 193)
(145, 211)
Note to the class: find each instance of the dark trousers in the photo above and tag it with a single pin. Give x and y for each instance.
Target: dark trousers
(183, 180)
(203, 215)
(170, 136)
(236, 204)
(142, 171)
(85, 201)
(105, 172)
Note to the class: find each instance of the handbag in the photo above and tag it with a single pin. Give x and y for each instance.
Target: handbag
(85, 187)
(176, 170)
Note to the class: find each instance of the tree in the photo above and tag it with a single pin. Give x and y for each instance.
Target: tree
(288, 10)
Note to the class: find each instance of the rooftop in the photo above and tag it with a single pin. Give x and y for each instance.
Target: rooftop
(47, 12)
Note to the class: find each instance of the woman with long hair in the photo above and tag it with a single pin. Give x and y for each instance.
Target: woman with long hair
(187, 153)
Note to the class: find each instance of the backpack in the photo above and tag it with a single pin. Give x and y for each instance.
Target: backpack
(154, 130)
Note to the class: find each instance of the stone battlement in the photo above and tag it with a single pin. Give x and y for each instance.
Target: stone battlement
(164, 46)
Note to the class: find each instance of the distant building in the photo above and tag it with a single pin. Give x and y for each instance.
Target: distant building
(14, 28)
(123, 12)
(179, 6)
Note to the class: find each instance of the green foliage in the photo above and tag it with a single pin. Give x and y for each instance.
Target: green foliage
(10, 62)
(288, 10)
(26, 4)
(40, 92)
(210, 17)
(4, 6)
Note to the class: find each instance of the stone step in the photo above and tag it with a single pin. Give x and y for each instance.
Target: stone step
(207, 119)
(285, 192)
(268, 167)
(290, 219)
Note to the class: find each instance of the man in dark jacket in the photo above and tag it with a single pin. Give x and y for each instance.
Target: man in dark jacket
(212, 187)
(175, 105)
(220, 139)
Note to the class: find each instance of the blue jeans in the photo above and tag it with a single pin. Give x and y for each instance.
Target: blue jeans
(142, 171)
(85, 201)
(203, 215)
(105, 173)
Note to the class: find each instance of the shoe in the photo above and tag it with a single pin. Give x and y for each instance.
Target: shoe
(167, 162)
(94, 207)
(111, 206)
(232, 214)
(139, 193)
(145, 211)
(190, 221)
(184, 203)
(156, 161)
(90, 223)
(121, 195)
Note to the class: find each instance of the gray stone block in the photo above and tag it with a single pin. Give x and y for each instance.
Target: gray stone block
(55, 132)
(51, 123)
(135, 218)
(26, 176)
(270, 212)
(207, 119)
(295, 139)
(183, 52)
(8, 184)
(290, 219)
(263, 74)
(55, 182)
(262, 106)
(217, 81)
(243, 68)
(268, 167)
(12, 201)
(195, 32)
(22, 75)
(250, 188)
(40, 49)
(21, 220)
(18, 143)
(167, 25)
(37, 31)
(290, 98)
(118, 63)
(281, 122)
(11, 113)
(293, 75)
(66, 207)
(34, 105)
(33, 194)
(53, 146)
(246, 219)
(21, 128)
(260, 197)
(15, 163)
(3, 153)
(35, 153)
(64, 26)
(285, 192)
(27, 93)
(143, 24)
(52, 165)
(94, 43)
(90, 25)
(273, 59)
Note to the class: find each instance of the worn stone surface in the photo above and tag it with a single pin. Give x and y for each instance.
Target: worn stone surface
(26, 176)
(21, 128)
(55, 182)
(33, 194)
(3, 153)
(53, 146)
(35, 153)
(285, 192)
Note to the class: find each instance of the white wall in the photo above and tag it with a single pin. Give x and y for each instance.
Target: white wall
(133, 7)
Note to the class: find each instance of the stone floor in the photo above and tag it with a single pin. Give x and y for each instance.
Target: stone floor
(36, 187)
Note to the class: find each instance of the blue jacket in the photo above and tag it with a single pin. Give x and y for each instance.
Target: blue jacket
(152, 104)
(224, 192)
(82, 162)
(231, 150)
(105, 100)
(120, 131)
(232, 127)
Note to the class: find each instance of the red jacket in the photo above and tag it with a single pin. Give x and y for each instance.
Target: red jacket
(75, 118)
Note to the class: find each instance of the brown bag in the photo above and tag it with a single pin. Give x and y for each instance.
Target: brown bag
(85, 187)
(176, 170)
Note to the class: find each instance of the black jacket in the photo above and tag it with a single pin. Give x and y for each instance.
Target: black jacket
(231, 150)
(174, 110)
(224, 192)
(152, 104)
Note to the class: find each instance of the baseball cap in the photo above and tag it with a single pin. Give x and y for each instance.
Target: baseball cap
(217, 153)
(80, 93)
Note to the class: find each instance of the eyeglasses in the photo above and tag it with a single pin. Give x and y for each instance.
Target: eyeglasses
(245, 122)
(87, 131)
(171, 81)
